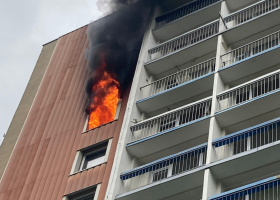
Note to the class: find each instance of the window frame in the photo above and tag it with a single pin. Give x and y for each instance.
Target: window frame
(81, 155)
(94, 151)
(92, 190)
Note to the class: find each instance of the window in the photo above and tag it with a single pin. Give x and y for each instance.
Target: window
(91, 156)
(90, 193)
(84, 197)
(119, 105)
(94, 157)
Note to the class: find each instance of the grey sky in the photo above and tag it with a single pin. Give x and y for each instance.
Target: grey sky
(25, 26)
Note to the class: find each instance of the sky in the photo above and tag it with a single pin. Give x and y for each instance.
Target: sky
(25, 26)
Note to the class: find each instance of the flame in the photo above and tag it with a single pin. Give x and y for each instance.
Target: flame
(104, 103)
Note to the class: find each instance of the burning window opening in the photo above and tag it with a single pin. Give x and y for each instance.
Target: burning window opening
(105, 98)
(119, 104)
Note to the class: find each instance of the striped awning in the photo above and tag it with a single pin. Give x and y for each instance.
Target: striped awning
(163, 162)
(240, 135)
(248, 189)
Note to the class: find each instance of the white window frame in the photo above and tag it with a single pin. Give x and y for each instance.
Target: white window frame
(99, 160)
(119, 105)
(80, 157)
(96, 193)
(86, 125)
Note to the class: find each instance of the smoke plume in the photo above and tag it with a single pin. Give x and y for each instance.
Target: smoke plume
(109, 6)
(114, 44)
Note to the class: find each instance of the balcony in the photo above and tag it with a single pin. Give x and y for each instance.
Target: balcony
(173, 52)
(247, 100)
(261, 190)
(182, 171)
(251, 20)
(195, 13)
(172, 89)
(248, 139)
(252, 164)
(250, 58)
(170, 129)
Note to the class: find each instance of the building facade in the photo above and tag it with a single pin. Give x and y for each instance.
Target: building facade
(200, 121)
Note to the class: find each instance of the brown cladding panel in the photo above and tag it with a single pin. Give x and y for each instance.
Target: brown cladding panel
(41, 162)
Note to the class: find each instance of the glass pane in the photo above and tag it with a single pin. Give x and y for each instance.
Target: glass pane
(90, 197)
(94, 159)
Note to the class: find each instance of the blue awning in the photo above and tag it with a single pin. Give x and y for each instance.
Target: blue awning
(163, 162)
(240, 135)
(248, 189)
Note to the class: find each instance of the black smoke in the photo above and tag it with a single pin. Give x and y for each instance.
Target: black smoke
(108, 6)
(116, 39)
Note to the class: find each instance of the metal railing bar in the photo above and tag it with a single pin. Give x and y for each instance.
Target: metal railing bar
(180, 36)
(250, 43)
(177, 73)
(236, 134)
(249, 82)
(199, 147)
(243, 9)
(173, 111)
(176, 9)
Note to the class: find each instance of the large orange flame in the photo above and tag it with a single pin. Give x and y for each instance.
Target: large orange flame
(103, 107)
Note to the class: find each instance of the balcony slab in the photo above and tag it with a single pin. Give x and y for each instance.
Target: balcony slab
(176, 94)
(182, 56)
(251, 65)
(169, 138)
(252, 27)
(249, 109)
(193, 20)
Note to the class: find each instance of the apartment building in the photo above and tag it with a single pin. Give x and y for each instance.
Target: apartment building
(204, 106)
(201, 119)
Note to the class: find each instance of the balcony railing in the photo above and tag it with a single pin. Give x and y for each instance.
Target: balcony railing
(164, 168)
(178, 78)
(250, 49)
(251, 12)
(183, 11)
(267, 189)
(248, 91)
(172, 119)
(245, 140)
(184, 40)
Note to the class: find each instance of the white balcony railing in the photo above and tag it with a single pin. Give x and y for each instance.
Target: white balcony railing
(251, 12)
(267, 189)
(164, 168)
(245, 140)
(183, 11)
(171, 120)
(250, 49)
(184, 40)
(178, 78)
(250, 90)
